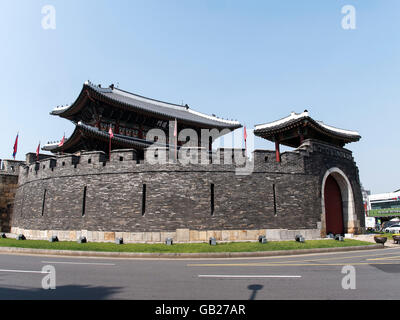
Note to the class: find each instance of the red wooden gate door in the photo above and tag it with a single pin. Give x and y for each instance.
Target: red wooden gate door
(333, 207)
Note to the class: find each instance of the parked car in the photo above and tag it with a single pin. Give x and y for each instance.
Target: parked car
(393, 229)
(388, 224)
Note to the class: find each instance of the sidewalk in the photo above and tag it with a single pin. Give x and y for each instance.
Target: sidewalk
(370, 238)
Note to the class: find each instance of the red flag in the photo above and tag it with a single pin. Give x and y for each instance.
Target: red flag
(62, 142)
(111, 133)
(37, 152)
(366, 209)
(15, 146)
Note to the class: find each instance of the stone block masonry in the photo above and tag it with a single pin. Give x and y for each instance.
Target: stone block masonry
(9, 171)
(8, 186)
(71, 195)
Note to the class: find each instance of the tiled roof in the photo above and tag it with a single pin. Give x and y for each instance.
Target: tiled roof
(125, 140)
(296, 118)
(156, 107)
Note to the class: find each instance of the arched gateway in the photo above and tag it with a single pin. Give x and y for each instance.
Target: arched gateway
(333, 207)
(338, 209)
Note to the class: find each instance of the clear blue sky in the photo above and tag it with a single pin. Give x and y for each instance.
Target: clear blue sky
(254, 61)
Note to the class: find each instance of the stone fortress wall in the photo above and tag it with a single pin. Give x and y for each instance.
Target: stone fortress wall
(87, 195)
(9, 171)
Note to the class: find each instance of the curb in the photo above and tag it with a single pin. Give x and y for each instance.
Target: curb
(143, 255)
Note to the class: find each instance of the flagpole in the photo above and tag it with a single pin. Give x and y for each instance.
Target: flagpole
(110, 133)
(245, 140)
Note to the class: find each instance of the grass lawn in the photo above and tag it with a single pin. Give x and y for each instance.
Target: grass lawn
(181, 248)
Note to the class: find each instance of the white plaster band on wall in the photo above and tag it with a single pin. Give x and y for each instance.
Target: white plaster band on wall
(179, 236)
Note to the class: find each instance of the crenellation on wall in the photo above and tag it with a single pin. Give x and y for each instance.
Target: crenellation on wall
(195, 155)
(261, 157)
(123, 155)
(291, 161)
(11, 167)
(93, 157)
(32, 157)
(227, 156)
(46, 164)
(87, 163)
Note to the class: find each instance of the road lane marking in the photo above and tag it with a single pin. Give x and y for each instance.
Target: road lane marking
(22, 271)
(287, 264)
(244, 276)
(82, 263)
(299, 262)
(334, 258)
(386, 258)
(339, 258)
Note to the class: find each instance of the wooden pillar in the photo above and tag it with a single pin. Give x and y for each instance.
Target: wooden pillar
(141, 135)
(277, 151)
(98, 121)
(300, 135)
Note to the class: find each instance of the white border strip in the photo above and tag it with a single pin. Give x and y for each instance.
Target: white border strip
(83, 263)
(245, 276)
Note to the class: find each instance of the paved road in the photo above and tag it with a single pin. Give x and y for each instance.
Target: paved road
(317, 276)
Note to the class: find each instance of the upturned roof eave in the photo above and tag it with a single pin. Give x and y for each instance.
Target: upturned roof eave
(203, 119)
(131, 142)
(270, 131)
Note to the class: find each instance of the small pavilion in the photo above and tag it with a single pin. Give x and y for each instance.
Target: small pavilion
(297, 127)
